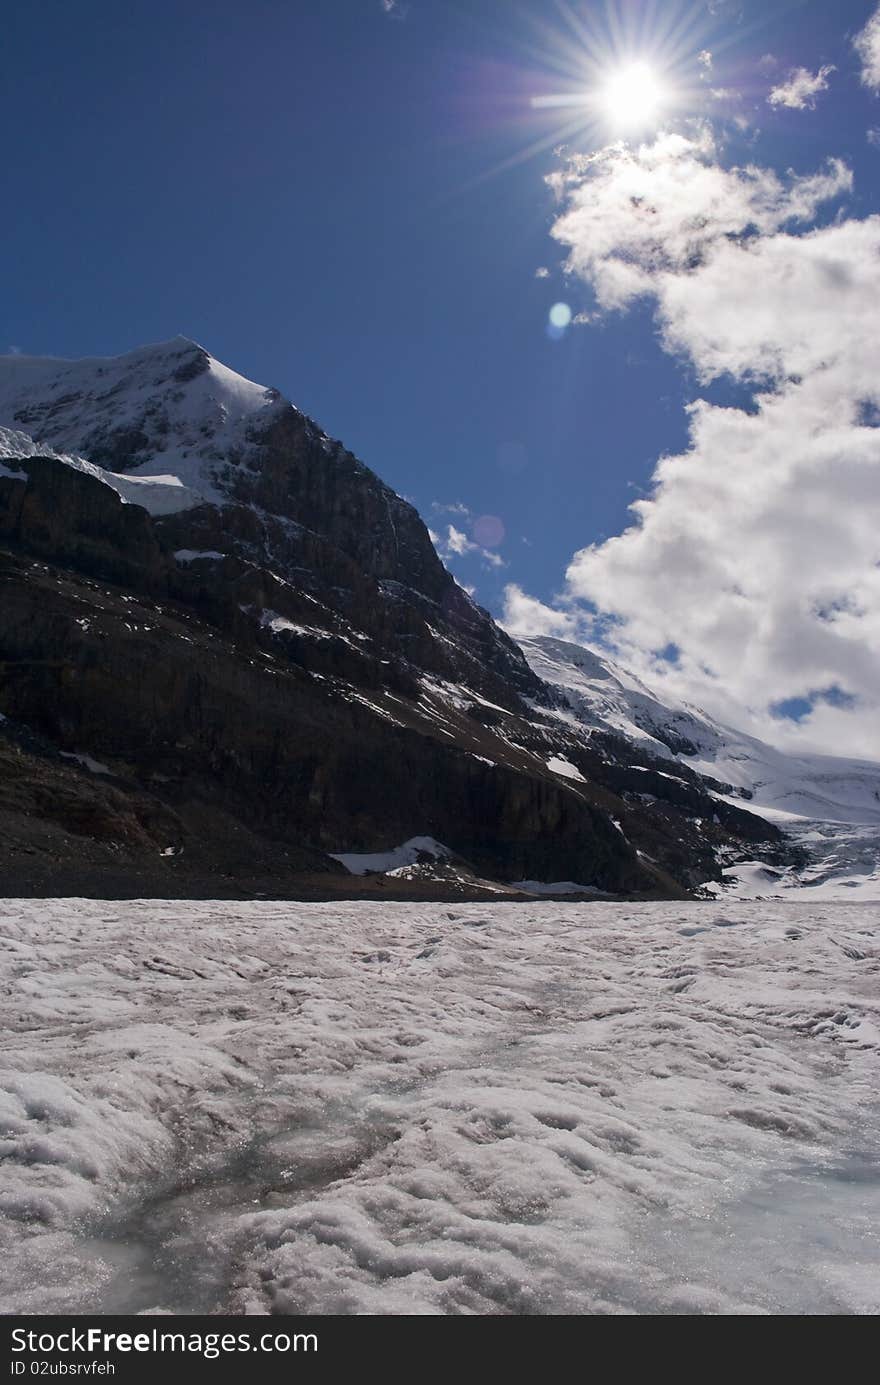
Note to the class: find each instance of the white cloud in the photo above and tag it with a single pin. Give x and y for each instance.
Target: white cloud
(800, 89)
(456, 507)
(874, 136)
(632, 215)
(456, 544)
(705, 60)
(867, 45)
(525, 616)
(757, 553)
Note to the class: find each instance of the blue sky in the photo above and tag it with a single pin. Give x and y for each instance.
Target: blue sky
(348, 201)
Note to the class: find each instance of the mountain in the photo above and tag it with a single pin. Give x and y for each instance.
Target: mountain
(231, 662)
(229, 467)
(827, 806)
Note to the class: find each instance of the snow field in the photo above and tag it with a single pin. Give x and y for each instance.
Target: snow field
(508, 1108)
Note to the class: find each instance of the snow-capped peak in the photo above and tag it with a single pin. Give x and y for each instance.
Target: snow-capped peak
(168, 415)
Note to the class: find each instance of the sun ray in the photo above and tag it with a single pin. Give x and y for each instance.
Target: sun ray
(576, 51)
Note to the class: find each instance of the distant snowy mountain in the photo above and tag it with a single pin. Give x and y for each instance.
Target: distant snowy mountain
(164, 425)
(829, 806)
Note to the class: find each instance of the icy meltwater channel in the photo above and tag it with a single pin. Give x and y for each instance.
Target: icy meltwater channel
(364, 1108)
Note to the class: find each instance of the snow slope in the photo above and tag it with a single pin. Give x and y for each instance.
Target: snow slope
(14, 446)
(830, 806)
(361, 1108)
(171, 410)
(160, 494)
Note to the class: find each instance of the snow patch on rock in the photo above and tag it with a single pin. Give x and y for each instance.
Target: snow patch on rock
(559, 765)
(407, 854)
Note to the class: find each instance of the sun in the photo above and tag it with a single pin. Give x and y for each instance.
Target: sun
(632, 96)
(615, 71)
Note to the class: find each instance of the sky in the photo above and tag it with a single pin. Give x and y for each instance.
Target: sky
(595, 285)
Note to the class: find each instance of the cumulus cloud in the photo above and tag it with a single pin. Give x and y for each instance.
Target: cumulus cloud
(633, 216)
(800, 89)
(757, 552)
(867, 45)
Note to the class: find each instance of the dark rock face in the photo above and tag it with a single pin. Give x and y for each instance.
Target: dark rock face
(68, 517)
(194, 719)
(286, 674)
(313, 515)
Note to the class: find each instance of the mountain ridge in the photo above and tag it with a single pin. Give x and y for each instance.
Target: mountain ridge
(270, 650)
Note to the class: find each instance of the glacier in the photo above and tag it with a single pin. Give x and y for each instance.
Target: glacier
(533, 1109)
(828, 806)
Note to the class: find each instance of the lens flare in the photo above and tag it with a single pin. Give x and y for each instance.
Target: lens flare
(488, 531)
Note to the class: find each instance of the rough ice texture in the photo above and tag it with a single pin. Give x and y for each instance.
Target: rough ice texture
(528, 1109)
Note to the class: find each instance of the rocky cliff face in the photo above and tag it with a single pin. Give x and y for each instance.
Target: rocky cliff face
(223, 466)
(254, 640)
